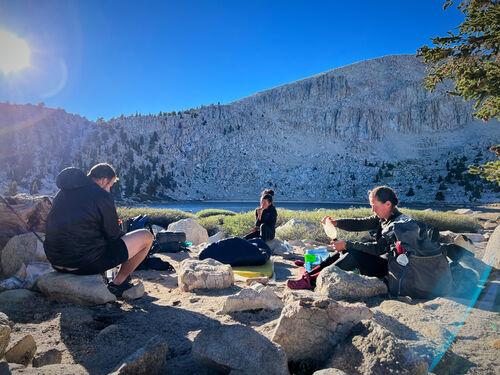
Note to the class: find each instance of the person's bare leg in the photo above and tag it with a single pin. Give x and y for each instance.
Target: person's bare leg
(138, 244)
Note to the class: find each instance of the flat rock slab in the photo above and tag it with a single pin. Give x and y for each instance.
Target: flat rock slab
(195, 233)
(22, 352)
(309, 327)
(253, 298)
(339, 284)
(238, 349)
(82, 290)
(148, 360)
(204, 274)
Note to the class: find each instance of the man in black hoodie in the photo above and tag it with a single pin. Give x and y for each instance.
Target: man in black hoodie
(83, 236)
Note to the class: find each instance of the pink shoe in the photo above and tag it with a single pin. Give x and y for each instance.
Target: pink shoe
(303, 283)
(299, 263)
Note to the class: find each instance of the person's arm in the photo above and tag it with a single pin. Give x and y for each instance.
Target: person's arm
(358, 225)
(374, 248)
(107, 209)
(269, 218)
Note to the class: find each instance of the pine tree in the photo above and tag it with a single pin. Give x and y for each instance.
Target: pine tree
(439, 196)
(470, 58)
(11, 189)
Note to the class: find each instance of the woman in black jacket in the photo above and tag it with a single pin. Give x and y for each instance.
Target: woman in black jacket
(265, 218)
(363, 258)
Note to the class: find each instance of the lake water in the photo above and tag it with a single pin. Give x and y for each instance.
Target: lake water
(195, 206)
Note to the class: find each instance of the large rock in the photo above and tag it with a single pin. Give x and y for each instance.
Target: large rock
(137, 291)
(148, 360)
(238, 349)
(428, 327)
(11, 299)
(50, 357)
(329, 371)
(492, 253)
(22, 249)
(195, 233)
(22, 352)
(255, 297)
(204, 274)
(4, 333)
(375, 350)
(464, 211)
(309, 327)
(83, 290)
(339, 284)
(217, 237)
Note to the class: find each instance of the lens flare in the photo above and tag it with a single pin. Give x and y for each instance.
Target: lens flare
(14, 53)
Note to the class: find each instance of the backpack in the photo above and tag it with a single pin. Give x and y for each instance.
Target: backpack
(426, 273)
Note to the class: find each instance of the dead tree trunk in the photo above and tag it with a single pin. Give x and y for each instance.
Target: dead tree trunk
(32, 209)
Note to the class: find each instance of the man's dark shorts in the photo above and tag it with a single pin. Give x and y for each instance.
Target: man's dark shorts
(115, 254)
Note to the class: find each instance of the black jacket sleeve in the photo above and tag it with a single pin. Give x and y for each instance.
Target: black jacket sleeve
(269, 217)
(107, 210)
(378, 247)
(359, 225)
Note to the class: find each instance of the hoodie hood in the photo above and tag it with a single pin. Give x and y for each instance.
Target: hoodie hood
(72, 178)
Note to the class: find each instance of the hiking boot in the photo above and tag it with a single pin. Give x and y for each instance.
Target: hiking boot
(299, 263)
(118, 290)
(303, 283)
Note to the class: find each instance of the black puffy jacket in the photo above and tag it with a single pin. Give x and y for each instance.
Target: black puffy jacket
(81, 222)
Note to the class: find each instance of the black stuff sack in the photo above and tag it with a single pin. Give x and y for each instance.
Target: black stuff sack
(238, 252)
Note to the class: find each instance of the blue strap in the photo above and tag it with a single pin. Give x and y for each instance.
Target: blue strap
(401, 278)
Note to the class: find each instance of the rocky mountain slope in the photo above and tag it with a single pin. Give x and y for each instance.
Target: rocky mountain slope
(332, 136)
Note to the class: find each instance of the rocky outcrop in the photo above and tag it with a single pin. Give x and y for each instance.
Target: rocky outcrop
(375, 350)
(345, 123)
(239, 350)
(148, 360)
(309, 327)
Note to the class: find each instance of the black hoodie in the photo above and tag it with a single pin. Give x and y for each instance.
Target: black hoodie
(81, 222)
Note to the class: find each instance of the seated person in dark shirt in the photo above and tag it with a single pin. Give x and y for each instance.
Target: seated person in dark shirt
(83, 236)
(265, 218)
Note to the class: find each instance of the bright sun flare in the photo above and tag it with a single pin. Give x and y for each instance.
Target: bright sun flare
(14, 53)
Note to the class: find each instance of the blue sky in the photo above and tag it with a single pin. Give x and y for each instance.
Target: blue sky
(104, 58)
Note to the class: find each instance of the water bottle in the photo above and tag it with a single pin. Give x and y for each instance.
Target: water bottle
(330, 229)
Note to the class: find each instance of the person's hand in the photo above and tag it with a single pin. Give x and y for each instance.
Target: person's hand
(338, 245)
(259, 212)
(254, 229)
(334, 222)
